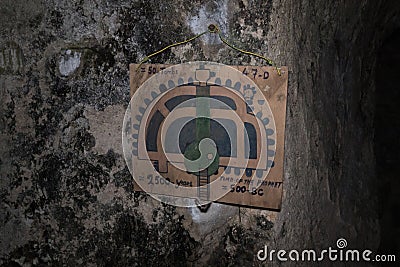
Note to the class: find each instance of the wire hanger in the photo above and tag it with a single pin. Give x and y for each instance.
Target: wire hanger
(213, 29)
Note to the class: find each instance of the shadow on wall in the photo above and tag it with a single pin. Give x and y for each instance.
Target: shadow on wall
(387, 144)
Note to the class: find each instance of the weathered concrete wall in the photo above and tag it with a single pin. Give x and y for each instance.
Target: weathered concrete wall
(66, 195)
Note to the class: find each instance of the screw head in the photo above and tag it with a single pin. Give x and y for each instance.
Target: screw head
(212, 28)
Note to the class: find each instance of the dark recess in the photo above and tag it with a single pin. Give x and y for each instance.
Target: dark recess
(387, 145)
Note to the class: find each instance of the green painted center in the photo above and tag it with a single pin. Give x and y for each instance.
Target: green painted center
(192, 151)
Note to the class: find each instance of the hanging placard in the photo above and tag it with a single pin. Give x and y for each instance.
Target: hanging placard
(207, 132)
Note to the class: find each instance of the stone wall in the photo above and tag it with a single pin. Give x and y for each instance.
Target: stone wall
(66, 195)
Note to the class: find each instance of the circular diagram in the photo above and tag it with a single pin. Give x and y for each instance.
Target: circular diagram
(190, 126)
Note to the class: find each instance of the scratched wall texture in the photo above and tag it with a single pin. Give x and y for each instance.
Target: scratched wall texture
(66, 195)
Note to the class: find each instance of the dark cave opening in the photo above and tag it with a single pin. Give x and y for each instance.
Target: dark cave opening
(387, 142)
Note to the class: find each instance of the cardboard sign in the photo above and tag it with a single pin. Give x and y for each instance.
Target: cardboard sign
(243, 169)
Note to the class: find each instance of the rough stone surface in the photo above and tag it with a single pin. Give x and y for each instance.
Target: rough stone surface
(66, 195)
